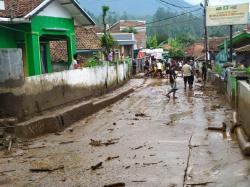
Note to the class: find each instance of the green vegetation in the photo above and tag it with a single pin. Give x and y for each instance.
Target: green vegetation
(130, 30)
(152, 42)
(176, 50)
(107, 40)
(93, 62)
(178, 27)
(190, 24)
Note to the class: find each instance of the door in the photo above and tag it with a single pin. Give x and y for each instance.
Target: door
(44, 63)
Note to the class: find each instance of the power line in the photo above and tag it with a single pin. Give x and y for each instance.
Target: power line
(174, 5)
(152, 22)
(186, 21)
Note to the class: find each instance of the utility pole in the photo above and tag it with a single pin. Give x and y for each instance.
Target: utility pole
(205, 31)
(231, 43)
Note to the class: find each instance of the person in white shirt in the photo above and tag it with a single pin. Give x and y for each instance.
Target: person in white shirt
(186, 73)
(159, 68)
(74, 64)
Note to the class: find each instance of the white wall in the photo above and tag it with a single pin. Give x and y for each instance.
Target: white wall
(81, 78)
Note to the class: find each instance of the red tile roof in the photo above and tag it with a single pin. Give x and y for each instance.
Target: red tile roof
(86, 38)
(215, 42)
(132, 23)
(195, 50)
(19, 8)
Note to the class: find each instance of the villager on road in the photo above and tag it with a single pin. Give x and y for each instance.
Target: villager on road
(186, 74)
(204, 72)
(172, 83)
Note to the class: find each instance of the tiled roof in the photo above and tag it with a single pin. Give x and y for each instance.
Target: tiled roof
(214, 42)
(243, 49)
(132, 23)
(19, 8)
(58, 51)
(86, 38)
(195, 50)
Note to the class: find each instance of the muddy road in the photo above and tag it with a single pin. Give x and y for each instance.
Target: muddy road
(144, 140)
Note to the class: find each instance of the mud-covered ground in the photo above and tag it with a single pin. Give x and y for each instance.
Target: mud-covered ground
(143, 140)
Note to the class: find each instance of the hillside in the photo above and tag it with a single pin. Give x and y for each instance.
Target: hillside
(131, 7)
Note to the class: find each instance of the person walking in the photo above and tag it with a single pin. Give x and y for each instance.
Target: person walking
(134, 66)
(172, 83)
(186, 74)
(204, 72)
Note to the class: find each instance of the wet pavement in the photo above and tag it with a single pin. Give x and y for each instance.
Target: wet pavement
(144, 140)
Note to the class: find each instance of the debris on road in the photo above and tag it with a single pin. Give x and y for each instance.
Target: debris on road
(7, 171)
(200, 184)
(215, 107)
(110, 142)
(152, 163)
(139, 181)
(127, 167)
(139, 147)
(114, 123)
(112, 158)
(119, 184)
(97, 166)
(67, 142)
(95, 143)
(223, 128)
(98, 143)
(141, 115)
(170, 123)
(136, 119)
(45, 166)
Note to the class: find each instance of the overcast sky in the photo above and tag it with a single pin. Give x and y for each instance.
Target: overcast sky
(216, 2)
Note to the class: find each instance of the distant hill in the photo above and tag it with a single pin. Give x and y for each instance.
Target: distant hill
(131, 7)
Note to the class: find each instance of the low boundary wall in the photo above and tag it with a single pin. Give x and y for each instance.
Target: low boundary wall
(244, 105)
(48, 91)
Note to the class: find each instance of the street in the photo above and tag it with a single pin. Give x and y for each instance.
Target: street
(144, 140)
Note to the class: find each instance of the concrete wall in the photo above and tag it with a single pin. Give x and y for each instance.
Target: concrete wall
(47, 91)
(244, 105)
(11, 67)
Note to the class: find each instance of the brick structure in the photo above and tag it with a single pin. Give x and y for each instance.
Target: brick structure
(86, 39)
(140, 26)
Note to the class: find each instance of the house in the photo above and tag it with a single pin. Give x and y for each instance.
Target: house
(138, 25)
(32, 24)
(195, 51)
(88, 45)
(125, 44)
(240, 45)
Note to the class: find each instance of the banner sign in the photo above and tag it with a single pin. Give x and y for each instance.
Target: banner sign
(2, 5)
(227, 14)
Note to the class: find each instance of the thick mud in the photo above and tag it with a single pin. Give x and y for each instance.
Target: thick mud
(143, 140)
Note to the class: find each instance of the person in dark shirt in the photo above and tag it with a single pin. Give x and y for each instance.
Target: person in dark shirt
(172, 82)
(204, 72)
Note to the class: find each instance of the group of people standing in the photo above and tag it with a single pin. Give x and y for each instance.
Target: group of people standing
(188, 70)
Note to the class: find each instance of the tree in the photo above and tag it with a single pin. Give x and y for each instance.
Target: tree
(176, 50)
(130, 30)
(152, 42)
(107, 40)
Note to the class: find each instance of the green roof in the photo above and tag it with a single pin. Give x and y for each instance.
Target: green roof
(236, 39)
